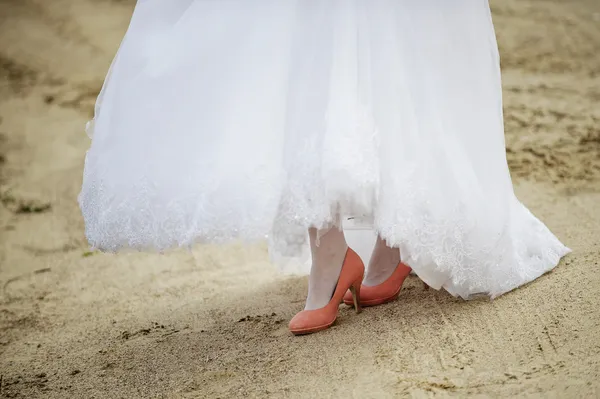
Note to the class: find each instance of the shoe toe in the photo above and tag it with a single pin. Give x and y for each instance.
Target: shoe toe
(309, 321)
(300, 321)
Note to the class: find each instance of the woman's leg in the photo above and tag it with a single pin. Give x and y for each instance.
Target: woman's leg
(382, 264)
(328, 249)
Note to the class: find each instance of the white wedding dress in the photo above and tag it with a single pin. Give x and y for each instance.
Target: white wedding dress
(257, 119)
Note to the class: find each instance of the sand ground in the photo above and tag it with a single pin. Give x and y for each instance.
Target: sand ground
(213, 323)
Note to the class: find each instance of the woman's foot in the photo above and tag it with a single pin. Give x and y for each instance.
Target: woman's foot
(381, 293)
(328, 249)
(335, 270)
(350, 278)
(384, 278)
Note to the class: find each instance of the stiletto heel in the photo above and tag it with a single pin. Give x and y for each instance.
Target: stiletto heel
(355, 291)
(310, 321)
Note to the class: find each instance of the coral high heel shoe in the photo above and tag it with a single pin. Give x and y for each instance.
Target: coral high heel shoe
(384, 292)
(351, 276)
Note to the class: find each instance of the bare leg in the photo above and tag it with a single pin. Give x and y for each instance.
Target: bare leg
(328, 249)
(382, 264)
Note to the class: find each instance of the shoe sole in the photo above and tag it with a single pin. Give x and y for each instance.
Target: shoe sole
(311, 330)
(374, 302)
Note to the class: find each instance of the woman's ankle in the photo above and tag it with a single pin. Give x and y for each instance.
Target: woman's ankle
(328, 252)
(382, 264)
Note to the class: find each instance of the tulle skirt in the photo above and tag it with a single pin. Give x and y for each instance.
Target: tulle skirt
(257, 119)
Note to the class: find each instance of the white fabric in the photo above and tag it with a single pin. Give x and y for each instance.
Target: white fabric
(259, 118)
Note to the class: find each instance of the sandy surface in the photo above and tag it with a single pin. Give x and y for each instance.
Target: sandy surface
(213, 323)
